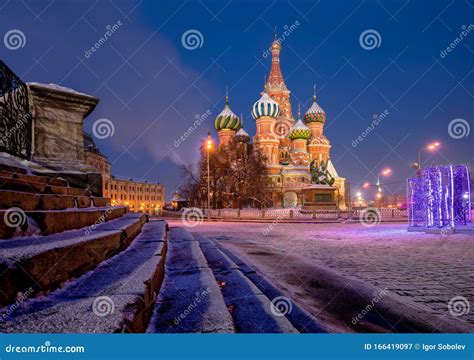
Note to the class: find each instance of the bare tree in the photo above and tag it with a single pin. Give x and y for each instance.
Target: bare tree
(237, 178)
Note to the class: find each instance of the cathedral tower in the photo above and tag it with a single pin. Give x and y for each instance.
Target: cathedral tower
(319, 146)
(276, 87)
(226, 124)
(265, 111)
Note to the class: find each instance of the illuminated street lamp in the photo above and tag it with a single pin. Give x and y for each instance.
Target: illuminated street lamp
(384, 172)
(430, 147)
(208, 149)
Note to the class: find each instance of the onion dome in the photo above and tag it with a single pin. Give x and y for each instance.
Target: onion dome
(227, 119)
(299, 130)
(242, 136)
(315, 113)
(266, 106)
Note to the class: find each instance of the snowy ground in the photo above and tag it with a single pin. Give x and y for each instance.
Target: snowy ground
(426, 269)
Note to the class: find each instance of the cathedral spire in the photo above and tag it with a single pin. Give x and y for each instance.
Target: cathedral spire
(276, 86)
(275, 78)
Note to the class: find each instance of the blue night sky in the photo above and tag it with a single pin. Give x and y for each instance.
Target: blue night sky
(151, 87)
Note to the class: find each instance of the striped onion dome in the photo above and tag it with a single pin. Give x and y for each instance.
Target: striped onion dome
(227, 119)
(299, 131)
(266, 106)
(315, 113)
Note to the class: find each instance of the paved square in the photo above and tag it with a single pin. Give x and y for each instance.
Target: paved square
(427, 269)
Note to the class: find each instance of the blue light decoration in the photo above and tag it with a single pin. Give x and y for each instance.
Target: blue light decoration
(439, 198)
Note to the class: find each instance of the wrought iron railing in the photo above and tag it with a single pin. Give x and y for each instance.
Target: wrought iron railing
(15, 115)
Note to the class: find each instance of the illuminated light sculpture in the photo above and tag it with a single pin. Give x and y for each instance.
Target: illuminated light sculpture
(439, 198)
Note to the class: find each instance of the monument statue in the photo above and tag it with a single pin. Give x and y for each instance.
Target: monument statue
(320, 174)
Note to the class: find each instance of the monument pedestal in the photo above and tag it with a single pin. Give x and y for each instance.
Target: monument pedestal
(58, 115)
(319, 197)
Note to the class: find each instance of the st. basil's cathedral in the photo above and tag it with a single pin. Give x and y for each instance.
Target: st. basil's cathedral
(297, 152)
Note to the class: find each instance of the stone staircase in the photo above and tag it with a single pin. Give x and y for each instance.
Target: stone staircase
(204, 290)
(32, 204)
(71, 263)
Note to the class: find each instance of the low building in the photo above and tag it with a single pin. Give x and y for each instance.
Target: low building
(393, 201)
(138, 195)
(178, 202)
(99, 161)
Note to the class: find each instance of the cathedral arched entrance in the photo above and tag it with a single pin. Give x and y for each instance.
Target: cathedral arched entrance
(290, 199)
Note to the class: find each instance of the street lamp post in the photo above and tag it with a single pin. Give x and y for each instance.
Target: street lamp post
(430, 147)
(384, 172)
(208, 148)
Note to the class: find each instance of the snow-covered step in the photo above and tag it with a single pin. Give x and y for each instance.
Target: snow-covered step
(190, 299)
(45, 262)
(302, 320)
(54, 221)
(38, 185)
(117, 296)
(31, 201)
(33, 178)
(251, 310)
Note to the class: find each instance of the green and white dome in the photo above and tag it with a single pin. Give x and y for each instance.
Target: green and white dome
(299, 131)
(227, 119)
(315, 113)
(266, 106)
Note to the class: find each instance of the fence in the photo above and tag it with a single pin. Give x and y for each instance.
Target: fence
(15, 115)
(295, 214)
